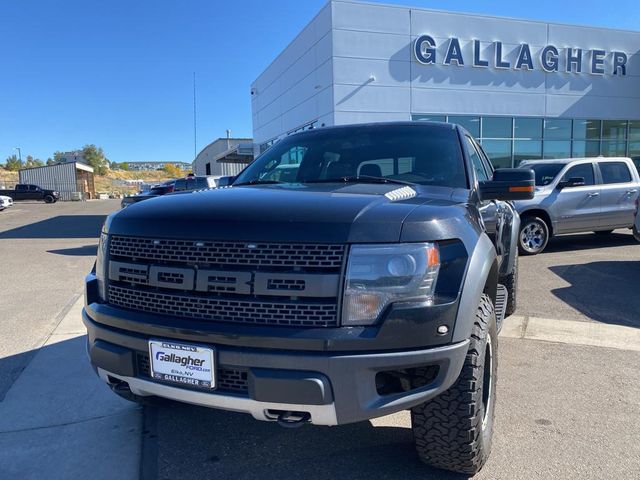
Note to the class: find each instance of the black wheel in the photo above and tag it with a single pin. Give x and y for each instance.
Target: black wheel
(49, 199)
(534, 235)
(453, 431)
(511, 283)
(604, 232)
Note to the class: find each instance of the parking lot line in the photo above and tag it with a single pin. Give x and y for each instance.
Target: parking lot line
(572, 332)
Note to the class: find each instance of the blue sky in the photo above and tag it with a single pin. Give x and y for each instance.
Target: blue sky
(118, 73)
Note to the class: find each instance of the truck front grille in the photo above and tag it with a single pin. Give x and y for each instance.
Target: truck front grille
(286, 285)
(291, 314)
(324, 256)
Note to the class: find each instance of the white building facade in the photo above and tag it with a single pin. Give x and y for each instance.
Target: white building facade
(224, 157)
(525, 89)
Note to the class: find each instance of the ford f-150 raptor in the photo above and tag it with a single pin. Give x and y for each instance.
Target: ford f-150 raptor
(347, 273)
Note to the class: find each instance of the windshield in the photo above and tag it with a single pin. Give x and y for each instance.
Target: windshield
(545, 172)
(425, 155)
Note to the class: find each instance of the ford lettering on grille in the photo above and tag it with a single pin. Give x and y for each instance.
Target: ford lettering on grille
(225, 281)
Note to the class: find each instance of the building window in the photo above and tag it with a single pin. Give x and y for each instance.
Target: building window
(557, 128)
(471, 124)
(499, 152)
(614, 129)
(634, 130)
(429, 118)
(613, 148)
(530, 128)
(527, 150)
(586, 129)
(585, 148)
(556, 149)
(497, 127)
(509, 140)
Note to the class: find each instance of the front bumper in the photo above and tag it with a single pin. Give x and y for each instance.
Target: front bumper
(332, 387)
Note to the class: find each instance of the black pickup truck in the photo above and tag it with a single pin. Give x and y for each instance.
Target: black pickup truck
(31, 192)
(347, 273)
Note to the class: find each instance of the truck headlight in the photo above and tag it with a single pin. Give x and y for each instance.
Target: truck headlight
(378, 275)
(101, 265)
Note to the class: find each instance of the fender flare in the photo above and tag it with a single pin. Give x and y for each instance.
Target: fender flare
(512, 228)
(482, 265)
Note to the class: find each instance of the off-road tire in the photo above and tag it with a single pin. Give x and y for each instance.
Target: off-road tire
(49, 199)
(604, 232)
(511, 284)
(451, 431)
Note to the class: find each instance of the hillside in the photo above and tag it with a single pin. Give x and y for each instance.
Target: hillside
(111, 183)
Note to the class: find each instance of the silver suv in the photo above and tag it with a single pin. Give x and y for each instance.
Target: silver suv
(577, 195)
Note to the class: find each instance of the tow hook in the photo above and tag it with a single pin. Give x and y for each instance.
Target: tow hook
(288, 419)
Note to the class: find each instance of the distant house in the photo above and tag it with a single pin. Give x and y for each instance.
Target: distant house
(224, 156)
(150, 166)
(73, 156)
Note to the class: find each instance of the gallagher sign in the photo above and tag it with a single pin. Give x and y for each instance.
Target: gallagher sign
(550, 58)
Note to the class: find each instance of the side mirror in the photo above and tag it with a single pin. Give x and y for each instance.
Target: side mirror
(225, 181)
(572, 182)
(509, 184)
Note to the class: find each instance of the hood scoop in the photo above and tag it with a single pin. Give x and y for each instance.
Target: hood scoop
(402, 193)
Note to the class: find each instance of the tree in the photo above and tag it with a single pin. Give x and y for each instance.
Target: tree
(50, 161)
(13, 164)
(33, 162)
(94, 156)
(172, 170)
(124, 166)
(57, 156)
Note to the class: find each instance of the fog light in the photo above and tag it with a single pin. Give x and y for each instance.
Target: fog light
(442, 329)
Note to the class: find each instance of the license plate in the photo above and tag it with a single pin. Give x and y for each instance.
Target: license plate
(183, 364)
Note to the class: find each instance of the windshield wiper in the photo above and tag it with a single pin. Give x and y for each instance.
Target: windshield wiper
(257, 181)
(359, 179)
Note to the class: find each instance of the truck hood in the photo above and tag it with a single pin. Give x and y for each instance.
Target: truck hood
(318, 213)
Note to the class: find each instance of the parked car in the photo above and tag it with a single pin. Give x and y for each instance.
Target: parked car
(194, 182)
(155, 191)
(31, 192)
(577, 195)
(5, 202)
(371, 278)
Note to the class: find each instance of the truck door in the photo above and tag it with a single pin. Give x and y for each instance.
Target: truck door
(618, 195)
(22, 192)
(35, 192)
(577, 209)
(488, 209)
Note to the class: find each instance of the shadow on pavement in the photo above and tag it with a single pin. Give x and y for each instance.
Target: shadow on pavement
(588, 241)
(603, 291)
(59, 421)
(195, 442)
(86, 251)
(62, 226)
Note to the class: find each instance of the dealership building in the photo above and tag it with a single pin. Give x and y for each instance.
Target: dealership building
(525, 89)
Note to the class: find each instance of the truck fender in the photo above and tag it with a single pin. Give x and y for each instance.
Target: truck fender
(482, 264)
(509, 240)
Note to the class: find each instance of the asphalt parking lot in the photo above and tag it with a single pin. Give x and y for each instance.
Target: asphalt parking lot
(568, 406)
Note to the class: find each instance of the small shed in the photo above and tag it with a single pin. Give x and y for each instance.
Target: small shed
(74, 180)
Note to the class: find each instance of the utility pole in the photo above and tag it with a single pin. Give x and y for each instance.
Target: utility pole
(19, 153)
(195, 137)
